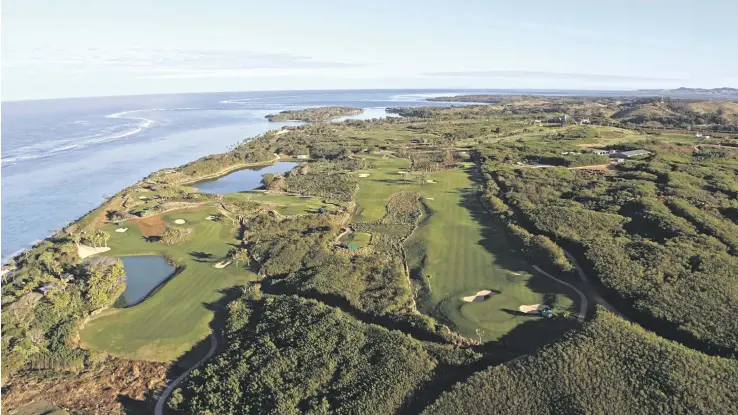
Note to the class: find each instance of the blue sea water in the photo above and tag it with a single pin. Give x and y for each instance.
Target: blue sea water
(62, 157)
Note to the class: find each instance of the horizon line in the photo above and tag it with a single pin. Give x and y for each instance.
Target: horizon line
(544, 90)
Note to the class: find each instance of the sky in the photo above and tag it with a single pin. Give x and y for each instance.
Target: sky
(78, 48)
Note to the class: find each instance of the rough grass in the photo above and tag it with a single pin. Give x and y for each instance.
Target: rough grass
(284, 204)
(177, 316)
(463, 251)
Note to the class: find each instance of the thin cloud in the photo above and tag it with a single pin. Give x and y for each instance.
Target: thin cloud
(547, 75)
(172, 63)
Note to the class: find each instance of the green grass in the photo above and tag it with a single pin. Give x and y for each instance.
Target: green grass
(173, 319)
(359, 239)
(463, 250)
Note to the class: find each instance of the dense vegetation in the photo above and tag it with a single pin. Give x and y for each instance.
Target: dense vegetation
(653, 231)
(612, 367)
(314, 114)
(287, 355)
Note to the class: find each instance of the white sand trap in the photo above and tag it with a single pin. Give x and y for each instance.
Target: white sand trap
(143, 197)
(431, 181)
(516, 273)
(401, 172)
(479, 296)
(121, 230)
(180, 221)
(222, 264)
(210, 218)
(84, 251)
(430, 198)
(364, 175)
(533, 308)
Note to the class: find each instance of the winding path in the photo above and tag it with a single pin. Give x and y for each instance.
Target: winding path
(596, 297)
(582, 298)
(159, 410)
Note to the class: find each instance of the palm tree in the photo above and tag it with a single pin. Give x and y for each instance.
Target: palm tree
(480, 333)
(103, 237)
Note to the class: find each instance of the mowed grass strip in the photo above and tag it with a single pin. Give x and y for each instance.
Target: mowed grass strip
(175, 317)
(462, 249)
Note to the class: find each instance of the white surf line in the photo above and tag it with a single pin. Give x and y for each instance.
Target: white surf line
(159, 410)
(582, 297)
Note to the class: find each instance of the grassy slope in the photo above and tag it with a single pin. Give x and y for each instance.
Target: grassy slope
(171, 321)
(461, 248)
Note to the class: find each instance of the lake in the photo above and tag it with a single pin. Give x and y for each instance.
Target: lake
(242, 180)
(143, 275)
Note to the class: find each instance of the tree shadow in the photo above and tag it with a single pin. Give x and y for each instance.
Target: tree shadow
(200, 256)
(200, 349)
(134, 406)
(152, 238)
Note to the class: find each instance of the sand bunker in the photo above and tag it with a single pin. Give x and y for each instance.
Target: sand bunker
(533, 308)
(430, 198)
(401, 172)
(121, 230)
(364, 175)
(84, 251)
(143, 197)
(431, 181)
(479, 296)
(210, 217)
(180, 221)
(222, 264)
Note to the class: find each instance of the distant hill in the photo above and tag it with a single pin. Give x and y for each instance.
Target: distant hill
(715, 93)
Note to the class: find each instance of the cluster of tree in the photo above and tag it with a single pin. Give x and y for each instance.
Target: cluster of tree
(314, 114)
(332, 187)
(654, 233)
(287, 355)
(611, 366)
(38, 329)
(173, 235)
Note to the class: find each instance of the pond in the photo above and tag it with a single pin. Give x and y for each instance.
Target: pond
(242, 180)
(143, 275)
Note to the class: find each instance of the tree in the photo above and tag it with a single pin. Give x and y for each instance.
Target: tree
(103, 237)
(448, 158)
(240, 254)
(172, 236)
(424, 177)
(273, 181)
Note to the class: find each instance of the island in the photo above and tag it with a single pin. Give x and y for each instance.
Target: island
(533, 255)
(319, 114)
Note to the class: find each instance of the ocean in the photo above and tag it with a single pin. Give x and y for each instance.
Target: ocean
(62, 157)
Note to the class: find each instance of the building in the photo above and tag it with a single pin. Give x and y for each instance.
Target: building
(629, 153)
(584, 121)
(601, 152)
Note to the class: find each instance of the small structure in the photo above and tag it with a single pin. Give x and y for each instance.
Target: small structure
(629, 153)
(45, 289)
(584, 121)
(601, 152)
(302, 156)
